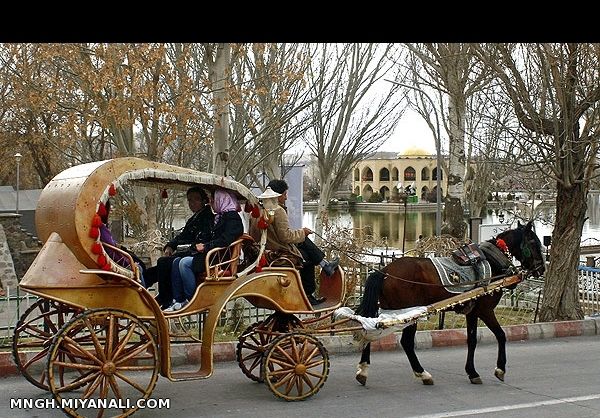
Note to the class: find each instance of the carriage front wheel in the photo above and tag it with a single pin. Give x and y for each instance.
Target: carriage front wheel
(33, 335)
(112, 369)
(295, 366)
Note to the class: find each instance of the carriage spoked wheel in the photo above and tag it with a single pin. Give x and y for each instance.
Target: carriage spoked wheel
(109, 371)
(255, 340)
(295, 366)
(33, 333)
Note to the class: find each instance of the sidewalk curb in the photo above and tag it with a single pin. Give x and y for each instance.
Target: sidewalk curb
(189, 353)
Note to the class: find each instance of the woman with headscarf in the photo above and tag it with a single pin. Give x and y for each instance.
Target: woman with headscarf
(227, 228)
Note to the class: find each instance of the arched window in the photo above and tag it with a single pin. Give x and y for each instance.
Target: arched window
(394, 174)
(425, 174)
(410, 174)
(367, 174)
(384, 174)
(434, 174)
(356, 174)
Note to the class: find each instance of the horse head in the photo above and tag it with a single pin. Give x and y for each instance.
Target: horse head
(525, 246)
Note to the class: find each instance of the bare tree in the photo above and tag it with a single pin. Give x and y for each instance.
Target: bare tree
(347, 120)
(268, 93)
(452, 70)
(555, 91)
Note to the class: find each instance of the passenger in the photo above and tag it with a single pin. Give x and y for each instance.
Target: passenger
(295, 241)
(117, 257)
(197, 228)
(227, 228)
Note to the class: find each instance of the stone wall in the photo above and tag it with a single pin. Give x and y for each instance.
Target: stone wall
(18, 249)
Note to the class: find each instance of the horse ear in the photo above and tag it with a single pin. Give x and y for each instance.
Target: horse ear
(519, 224)
(530, 224)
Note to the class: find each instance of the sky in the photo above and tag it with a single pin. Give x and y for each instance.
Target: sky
(412, 131)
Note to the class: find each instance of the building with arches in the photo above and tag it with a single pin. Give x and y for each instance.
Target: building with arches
(390, 176)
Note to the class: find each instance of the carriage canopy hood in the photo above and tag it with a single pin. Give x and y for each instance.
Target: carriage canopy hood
(70, 200)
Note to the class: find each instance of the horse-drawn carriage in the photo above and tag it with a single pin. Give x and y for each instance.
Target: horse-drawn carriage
(97, 337)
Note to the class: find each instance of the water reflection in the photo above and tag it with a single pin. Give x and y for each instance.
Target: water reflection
(389, 226)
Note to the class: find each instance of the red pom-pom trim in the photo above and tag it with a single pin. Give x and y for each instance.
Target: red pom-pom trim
(164, 194)
(255, 212)
(111, 190)
(248, 207)
(97, 248)
(96, 221)
(262, 223)
(94, 232)
(102, 209)
(263, 261)
(501, 245)
(101, 260)
(107, 267)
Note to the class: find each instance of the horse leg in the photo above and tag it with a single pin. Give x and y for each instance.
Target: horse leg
(490, 320)
(362, 370)
(408, 344)
(471, 345)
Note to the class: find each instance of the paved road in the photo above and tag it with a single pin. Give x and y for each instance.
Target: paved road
(553, 378)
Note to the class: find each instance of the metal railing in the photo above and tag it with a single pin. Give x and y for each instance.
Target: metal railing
(517, 306)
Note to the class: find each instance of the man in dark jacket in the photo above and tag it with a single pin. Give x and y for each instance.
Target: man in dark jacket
(198, 227)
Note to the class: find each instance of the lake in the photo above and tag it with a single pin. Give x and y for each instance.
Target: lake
(390, 225)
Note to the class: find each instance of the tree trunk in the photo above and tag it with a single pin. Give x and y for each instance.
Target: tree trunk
(219, 77)
(453, 210)
(324, 197)
(561, 288)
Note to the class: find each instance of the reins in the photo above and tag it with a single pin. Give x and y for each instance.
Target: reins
(462, 284)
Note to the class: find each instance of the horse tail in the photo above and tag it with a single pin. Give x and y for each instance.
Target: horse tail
(368, 306)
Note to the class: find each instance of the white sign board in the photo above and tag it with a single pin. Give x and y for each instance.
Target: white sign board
(294, 205)
(491, 230)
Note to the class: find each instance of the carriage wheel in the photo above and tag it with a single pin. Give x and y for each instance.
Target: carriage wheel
(34, 332)
(255, 340)
(296, 366)
(109, 367)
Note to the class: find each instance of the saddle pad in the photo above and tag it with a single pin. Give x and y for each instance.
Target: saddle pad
(452, 274)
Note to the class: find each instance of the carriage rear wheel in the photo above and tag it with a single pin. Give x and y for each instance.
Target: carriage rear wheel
(255, 340)
(33, 335)
(106, 372)
(296, 366)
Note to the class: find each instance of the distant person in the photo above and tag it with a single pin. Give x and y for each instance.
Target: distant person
(197, 228)
(227, 228)
(281, 237)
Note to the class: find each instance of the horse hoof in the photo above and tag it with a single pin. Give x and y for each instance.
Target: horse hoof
(362, 379)
(425, 377)
(499, 373)
(476, 380)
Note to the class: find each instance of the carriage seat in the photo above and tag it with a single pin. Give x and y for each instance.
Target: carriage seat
(132, 271)
(224, 262)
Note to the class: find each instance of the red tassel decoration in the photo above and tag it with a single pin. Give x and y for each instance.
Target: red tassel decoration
(111, 190)
(97, 248)
(261, 263)
(255, 212)
(248, 207)
(101, 260)
(94, 232)
(102, 209)
(96, 221)
(262, 223)
(107, 267)
(164, 194)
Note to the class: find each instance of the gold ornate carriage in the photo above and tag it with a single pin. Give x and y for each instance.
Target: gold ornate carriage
(96, 333)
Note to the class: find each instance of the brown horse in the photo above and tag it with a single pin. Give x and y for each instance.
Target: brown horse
(413, 281)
